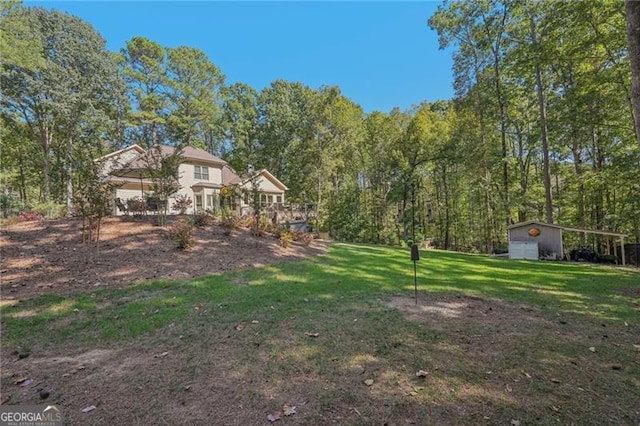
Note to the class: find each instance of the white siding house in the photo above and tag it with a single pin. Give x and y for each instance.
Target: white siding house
(201, 178)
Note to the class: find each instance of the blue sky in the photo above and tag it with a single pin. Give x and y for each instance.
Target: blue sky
(381, 54)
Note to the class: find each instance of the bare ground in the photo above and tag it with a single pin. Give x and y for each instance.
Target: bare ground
(48, 257)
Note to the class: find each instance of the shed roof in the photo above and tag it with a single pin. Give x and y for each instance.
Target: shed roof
(565, 228)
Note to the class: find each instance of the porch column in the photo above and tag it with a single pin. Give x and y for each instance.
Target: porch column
(622, 249)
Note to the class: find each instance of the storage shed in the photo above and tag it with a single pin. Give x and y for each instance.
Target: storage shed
(549, 238)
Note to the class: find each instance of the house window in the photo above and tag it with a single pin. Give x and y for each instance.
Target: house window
(198, 203)
(201, 172)
(278, 199)
(210, 202)
(270, 199)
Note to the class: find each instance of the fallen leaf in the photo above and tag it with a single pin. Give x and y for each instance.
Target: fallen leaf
(312, 334)
(515, 422)
(88, 409)
(255, 322)
(5, 399)
(368, 382)
(508, 388)
(421, 373)
(289, 410)
(239, 327)
(554, 408)
(81, 367)
(527, 375)
(20, 380)
(592, 348)
(413, 393)
(636, 347)
(556, 381)
(272, 417)
(162, 355)
(26, 382)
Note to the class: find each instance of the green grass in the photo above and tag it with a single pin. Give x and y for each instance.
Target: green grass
(531, 364)
(348, 273)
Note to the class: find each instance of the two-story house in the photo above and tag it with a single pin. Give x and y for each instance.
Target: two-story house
(201, 177)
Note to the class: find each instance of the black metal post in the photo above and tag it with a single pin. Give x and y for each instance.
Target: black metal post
(415, 254)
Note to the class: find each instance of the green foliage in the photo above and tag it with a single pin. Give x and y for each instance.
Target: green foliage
(229, 222)
(473, 164)
(49, 209)
(285, 239)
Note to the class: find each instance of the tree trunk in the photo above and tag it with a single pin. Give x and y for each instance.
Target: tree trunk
(543, 131)
(69, 176)
(632, 9)
(447, 215)
(45, 139)
(503, 119)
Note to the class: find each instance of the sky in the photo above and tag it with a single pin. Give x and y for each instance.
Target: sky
(381, 54)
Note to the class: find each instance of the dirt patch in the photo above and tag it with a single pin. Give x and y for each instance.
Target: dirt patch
(49, 257)
(442, 310)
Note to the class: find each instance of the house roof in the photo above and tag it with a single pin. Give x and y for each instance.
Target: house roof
(187, 153)
(134, 147)
(229, 176)
(192, 153)
(267, 174)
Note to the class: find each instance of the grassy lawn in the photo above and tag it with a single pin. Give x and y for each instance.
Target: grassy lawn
(499, 340)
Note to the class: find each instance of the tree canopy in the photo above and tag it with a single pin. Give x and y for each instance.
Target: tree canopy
(544, 123)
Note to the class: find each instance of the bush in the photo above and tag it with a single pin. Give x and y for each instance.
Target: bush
(203, 219)
(137, 205)
(49, 209)
(182, 203)
(181, 233)
(29, 217)
(305, 238)
(229, 223)
(285, 239)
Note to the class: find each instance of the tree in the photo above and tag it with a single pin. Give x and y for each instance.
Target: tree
(632, 9)
(193, 86)
(70, 103)
(240, 122)
(17, 45)
(162, 167)
(143, 63)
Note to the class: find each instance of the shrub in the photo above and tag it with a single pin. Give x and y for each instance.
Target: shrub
(49, 209)
(137, 205)
(203, 219)
(285, 239)
(305, 238)
(182, 203)
(181, 233)
(229, 223)
(29, 217)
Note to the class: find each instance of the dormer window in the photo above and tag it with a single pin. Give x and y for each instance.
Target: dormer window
(201, 172)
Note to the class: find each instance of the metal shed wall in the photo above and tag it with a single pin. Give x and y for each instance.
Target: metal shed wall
(549, 240)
